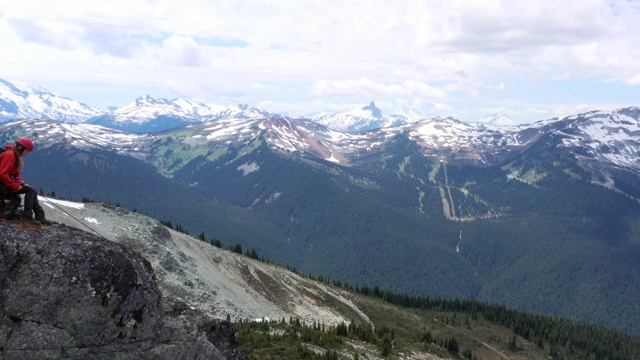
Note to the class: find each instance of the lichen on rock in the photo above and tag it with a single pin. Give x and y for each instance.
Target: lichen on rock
(67, 293)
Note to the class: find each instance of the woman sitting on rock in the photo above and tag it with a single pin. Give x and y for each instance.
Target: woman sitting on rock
(10, 166)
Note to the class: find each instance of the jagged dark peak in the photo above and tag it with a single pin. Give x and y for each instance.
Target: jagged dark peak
(43, 91)
(144, 100)
(377, 113)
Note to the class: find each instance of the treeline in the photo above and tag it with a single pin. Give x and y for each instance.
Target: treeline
(257, 339)
(236, 248)
(555, 193)
(580, 339)
(286, 340)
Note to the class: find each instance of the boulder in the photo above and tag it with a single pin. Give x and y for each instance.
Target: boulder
(65, 293)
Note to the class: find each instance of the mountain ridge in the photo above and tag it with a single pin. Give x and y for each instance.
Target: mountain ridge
(146, 114)
(595, 138)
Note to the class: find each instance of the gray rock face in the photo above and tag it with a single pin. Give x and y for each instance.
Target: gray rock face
(65, 293)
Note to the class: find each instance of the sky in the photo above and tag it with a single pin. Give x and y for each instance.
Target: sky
(527, 60)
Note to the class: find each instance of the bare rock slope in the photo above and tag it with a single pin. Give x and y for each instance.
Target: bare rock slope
(215, 281)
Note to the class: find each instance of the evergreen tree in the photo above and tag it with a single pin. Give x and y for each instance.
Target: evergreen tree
(385, 347)
(237, 248)
(513, 346)
(452, 345)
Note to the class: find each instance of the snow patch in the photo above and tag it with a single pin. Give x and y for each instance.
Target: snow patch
(52, 202)
(92, 220)
(248, 168)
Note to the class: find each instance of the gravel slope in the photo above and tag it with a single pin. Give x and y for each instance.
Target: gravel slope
(216, 281)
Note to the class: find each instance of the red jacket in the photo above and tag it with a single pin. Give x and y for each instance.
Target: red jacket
(9, 174)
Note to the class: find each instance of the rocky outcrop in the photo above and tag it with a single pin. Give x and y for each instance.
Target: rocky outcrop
(65, 293)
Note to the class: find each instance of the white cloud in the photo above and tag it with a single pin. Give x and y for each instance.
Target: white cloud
(367, 87)
(443, 108)
(98, 38)
(53, 34)
(305, 108)
(499, 87)
(634, 80)
(360, 87)
(423, 90)
(182, 51)
(430, 50)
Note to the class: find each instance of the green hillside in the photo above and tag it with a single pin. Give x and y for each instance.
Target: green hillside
(405, 326)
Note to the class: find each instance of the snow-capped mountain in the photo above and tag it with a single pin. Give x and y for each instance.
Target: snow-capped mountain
(361, 119)
(146, 107)
(604, 137)
(498, 120)
(147, 114)
(21, 101)
(611, 138)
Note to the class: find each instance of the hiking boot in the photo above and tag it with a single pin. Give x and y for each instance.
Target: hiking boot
(44, 221)
(30, 220)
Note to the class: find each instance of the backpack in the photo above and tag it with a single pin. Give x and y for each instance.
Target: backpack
(9, 206)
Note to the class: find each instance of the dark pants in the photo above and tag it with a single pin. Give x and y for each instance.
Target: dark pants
(31, 204)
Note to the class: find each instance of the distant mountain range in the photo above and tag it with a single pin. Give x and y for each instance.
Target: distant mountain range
(147, 114)
(609, 142)
(542, 217)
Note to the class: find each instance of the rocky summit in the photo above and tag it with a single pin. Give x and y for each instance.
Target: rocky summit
(65, 293)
